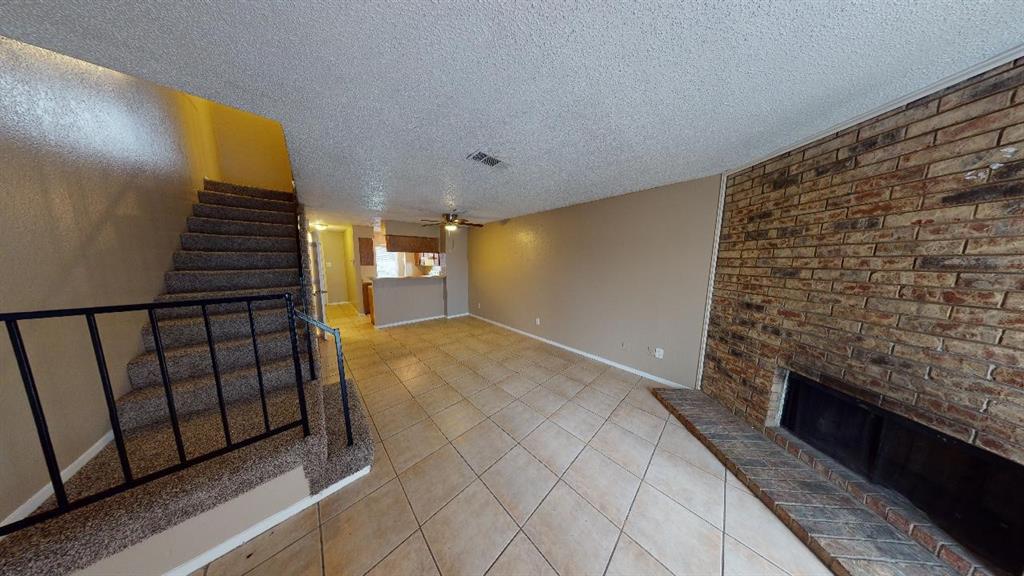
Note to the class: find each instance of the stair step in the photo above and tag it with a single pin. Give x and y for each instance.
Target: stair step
(240, 201)
(223, 280)
(252, 191)
(225, 243)
(194, 360)
(148, 405)
(244, 214)
(178, 332)
(239, 227)
(194, 260)
(194, 311)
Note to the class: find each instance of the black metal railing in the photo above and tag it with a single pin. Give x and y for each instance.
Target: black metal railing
(63, 504)
(342, 382)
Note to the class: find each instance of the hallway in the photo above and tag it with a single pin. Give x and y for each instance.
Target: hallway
(498, 454)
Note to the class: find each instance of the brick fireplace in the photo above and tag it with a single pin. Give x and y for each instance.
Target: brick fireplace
(887, 258)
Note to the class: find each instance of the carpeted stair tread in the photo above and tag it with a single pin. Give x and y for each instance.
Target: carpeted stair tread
(195, 260)
(148, 405)
(239, 227)
(194, 360)
(253, 191)
(242, 201)
(185, 331)
(189, 311)
(75, 540)
(229, 280)
(244, 214)
(151, 448)
(228, 243)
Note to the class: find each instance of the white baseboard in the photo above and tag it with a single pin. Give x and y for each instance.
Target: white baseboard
(404, 322)
(458, 315)
(600, 359)
(261, 527)
(37, 499)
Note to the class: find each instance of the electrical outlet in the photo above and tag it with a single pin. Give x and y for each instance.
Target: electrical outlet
(659, 353)
(537, 321)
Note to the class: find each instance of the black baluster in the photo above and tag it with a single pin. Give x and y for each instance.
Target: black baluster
(108, 395)
(168, 392)
(298, 364)
(216, 376)
(259, 368)
(37, 413)
(343, 385)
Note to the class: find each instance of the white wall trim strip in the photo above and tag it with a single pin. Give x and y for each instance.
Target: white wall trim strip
(458, 315)
(37, 499)
(600, 359)
(711, 284)
(993, 62)
(261, 527)
(417, 320)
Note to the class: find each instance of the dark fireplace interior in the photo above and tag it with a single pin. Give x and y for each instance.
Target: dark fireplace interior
(974, 495)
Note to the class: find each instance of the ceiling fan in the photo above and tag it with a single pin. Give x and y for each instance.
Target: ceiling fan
(452, 222)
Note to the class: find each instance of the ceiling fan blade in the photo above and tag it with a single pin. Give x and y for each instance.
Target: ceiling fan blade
(430, 224)
(471, 224)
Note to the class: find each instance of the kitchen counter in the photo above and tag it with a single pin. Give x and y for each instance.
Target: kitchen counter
(400, 300)
(390, 278)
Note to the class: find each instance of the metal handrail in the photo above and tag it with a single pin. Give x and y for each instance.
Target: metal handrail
(342, 382)
(64, 505)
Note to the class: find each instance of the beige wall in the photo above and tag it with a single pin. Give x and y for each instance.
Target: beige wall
(456, 259)
(99, 172)
(612, 277)
(333, 244)
(398, 300)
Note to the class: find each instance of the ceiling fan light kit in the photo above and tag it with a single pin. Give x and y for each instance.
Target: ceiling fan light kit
(452, 222)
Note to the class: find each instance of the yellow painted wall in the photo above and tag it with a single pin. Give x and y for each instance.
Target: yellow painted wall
(251, 150)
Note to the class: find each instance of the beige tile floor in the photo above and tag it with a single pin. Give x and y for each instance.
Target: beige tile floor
(500, 455)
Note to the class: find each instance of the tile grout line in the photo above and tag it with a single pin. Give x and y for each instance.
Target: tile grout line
(518, 443)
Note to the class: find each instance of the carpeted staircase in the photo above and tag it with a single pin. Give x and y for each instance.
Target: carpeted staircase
(239, 241)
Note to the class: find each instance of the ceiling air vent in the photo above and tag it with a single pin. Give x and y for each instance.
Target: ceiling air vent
(484, 158)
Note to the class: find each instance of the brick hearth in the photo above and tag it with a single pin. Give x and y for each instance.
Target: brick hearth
(852, 525)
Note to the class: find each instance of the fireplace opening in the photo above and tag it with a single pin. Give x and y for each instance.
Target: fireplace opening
(974, 495)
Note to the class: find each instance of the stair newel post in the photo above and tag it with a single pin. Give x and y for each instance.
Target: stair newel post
(298, 363)
(259, 368)
(158, 343)
(216, 376)
(108, 396)
(42, 430)
(302, 291)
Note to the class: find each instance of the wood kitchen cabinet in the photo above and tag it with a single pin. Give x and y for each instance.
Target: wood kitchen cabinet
(397, 243)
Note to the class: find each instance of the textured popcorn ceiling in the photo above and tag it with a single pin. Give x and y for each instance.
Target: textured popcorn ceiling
(382, 101)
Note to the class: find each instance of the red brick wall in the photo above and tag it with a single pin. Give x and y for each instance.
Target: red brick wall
(891, 257)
